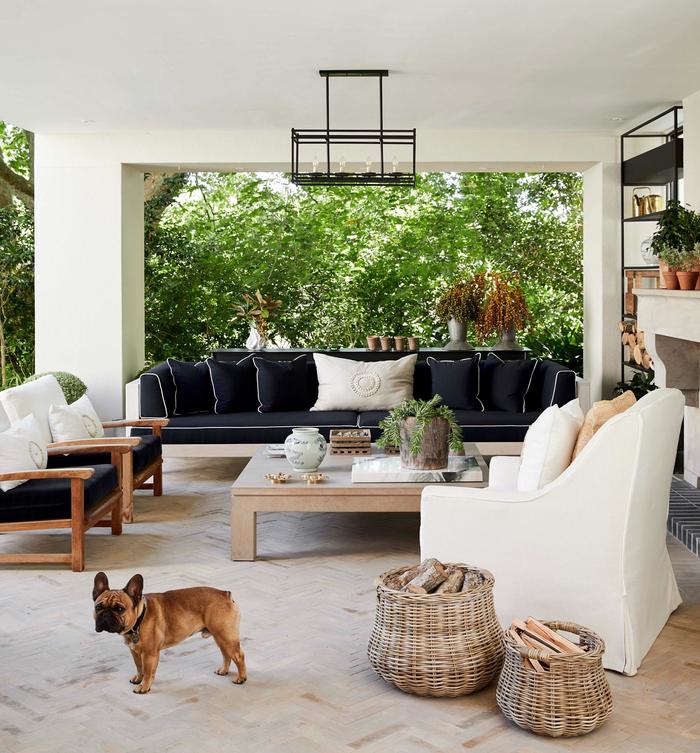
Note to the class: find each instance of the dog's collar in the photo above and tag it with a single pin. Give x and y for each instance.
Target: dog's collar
(133, 632)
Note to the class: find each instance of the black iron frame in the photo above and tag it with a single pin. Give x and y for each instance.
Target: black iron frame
(377, 136)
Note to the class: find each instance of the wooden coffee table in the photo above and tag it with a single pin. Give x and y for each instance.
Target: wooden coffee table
(252, 493)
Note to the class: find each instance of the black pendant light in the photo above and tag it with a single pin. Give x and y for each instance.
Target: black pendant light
(386, 173)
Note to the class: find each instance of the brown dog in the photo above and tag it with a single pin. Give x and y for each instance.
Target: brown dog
(152, 622)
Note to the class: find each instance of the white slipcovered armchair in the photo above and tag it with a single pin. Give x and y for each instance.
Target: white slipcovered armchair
(590, 547)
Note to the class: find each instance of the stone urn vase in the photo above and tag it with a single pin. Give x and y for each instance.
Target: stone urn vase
(434, 447)
(508, 340)
(458, 334)
(305, 449)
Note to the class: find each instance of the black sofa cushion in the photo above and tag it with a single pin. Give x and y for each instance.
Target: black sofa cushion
(49, 499)
(157, 392)
(552, 384)
(283, 385)
(143, 455)
(457, 382)
(250, 427)
(193, 391)
(505, 384)
(234, 385)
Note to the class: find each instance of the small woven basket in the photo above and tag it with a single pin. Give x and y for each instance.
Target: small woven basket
(571, 698)
(437, 644)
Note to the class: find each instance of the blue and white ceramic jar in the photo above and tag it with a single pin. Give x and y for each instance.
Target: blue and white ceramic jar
(305, 449)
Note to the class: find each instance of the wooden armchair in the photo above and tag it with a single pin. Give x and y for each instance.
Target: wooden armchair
(77, 498)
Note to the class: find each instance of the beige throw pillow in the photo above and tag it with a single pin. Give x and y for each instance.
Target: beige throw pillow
(601, 412)
(363, 385)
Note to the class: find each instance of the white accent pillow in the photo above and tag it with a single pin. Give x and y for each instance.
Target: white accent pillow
(75, 421)
(34, 399)
(22, 448)
(548, 446)
(344, 384)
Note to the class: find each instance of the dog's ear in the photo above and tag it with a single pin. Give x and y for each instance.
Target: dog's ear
(100, 586)
(134, 588)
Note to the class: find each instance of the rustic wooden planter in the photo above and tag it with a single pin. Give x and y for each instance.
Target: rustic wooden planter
(434, 448)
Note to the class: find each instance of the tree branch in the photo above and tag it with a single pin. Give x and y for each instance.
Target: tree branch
(15, 184)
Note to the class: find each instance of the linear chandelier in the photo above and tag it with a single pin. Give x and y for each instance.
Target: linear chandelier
(385, 174)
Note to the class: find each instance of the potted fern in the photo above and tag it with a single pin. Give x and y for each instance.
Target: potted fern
(424, 431)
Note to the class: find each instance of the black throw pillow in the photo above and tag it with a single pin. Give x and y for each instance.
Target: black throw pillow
(193, 392)
(234, 385)
(505, 384)
(457, 382)
(283, 385)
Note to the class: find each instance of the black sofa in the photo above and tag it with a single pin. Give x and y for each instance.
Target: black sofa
(550, 383)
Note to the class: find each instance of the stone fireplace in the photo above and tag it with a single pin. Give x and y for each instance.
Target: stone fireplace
(670, 320)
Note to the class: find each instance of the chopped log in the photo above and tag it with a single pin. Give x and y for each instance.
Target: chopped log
(647, 360)
(631, 340)
(623, 338)
(471, 580)
(556, 638)
(534, 663)
(399, 580)
(637, 353)
(641, 339)
(621, 326)
(534, 639)
(453, 584)
(430, 575)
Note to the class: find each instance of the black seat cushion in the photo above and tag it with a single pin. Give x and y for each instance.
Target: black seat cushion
(234, 385)
(193, 390)
(49, 499)
(283, 385)
(505, 384)
(457, 382)
(250, 427)
(144, 454)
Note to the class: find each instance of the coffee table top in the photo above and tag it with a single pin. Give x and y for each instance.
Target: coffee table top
(337, 467)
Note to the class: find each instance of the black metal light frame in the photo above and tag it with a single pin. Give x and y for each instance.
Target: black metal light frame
(376, 136)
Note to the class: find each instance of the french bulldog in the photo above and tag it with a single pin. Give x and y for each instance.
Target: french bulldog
(151, 622)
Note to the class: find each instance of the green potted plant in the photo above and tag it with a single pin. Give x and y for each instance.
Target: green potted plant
(505, 311)
(424, 431)
(678, 231)
(460, 304)
(73, 387)
(257, 309)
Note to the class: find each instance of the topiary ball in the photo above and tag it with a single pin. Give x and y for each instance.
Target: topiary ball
(73, 388)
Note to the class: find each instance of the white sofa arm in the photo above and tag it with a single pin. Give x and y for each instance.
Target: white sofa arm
(503, 472)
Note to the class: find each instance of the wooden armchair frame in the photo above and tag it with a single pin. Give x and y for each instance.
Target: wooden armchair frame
(80, 520)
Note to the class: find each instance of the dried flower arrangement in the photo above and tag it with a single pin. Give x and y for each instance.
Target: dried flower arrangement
(463, 300)
(505, 307)
(258, 309)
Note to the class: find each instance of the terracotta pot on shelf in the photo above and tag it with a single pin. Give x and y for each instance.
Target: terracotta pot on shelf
(687, 280)
(386, 342)
(413, 343)
(399, 343)
(670, 280)
(373, 343)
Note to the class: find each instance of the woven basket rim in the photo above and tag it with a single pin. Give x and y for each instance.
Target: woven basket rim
(597, 648)
(485, 586)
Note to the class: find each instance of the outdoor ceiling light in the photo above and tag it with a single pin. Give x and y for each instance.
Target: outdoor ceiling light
(404, 139)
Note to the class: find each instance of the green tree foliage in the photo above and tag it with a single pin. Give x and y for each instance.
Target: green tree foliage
(353, 261)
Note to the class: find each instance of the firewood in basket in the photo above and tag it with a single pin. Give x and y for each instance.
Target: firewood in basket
(399, 580)
(564, 644)
(430, 575)
(471, 580)
(534, 663)
(537, 640)
(453, 584)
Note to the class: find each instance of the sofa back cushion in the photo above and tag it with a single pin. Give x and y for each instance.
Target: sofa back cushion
(234, 384)
(193, 390)
(22, 448)
(504, 385)
(34, 399)
(552, 384)
(283, 385)
(457, 382)
(157, 392)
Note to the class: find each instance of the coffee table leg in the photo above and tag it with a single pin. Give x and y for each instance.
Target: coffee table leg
(243, 530)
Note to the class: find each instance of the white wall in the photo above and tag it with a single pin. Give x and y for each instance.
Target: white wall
(89, 225)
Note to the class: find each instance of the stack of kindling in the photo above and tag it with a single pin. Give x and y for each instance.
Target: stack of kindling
(533, 634)
(432, 577)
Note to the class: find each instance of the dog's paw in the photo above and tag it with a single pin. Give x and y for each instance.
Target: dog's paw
(239, 680)
(221, 671)
(140, 689)
(136, 680)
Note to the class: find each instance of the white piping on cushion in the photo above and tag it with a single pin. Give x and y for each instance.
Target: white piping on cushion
(162, 394)
(477, 356)
(556, 376)
(211, 378)
(257, 379)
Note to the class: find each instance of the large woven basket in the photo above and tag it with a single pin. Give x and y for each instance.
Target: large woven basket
(571, 698)
(437, 644)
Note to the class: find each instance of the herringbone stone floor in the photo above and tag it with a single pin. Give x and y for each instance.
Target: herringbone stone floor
(307, 610)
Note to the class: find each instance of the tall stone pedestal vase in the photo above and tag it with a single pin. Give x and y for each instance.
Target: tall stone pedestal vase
(458, 334)
(434, 448)
(508, 341)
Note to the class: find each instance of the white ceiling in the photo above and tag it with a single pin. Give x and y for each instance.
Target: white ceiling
(251, 64)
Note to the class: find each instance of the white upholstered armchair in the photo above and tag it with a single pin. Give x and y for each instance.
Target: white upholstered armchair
(590, 547)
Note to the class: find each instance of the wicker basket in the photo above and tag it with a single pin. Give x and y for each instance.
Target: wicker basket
(437, 644)
(570, 699)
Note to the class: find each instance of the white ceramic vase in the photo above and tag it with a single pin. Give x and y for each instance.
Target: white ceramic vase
(305, 449)
(255, 340)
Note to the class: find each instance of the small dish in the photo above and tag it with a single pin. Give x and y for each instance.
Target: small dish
(278, 478)
(314, 478)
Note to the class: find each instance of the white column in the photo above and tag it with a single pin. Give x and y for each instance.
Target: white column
(601, 278)
(89, 272)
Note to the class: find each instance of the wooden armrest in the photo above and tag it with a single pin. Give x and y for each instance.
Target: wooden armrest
(83, 473)
(96, 442)
(148, 422)
(82, 449)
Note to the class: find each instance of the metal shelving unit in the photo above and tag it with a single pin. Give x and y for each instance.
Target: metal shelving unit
(651, 155)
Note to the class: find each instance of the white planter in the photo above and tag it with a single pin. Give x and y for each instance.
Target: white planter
(305, 449)
(255, 340)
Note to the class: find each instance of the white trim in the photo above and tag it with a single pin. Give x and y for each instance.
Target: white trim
(476, 356)
(257, 375)
(162, 394)
(211, 377)
(529, 384)
(172, 376)
(556, 376)
(268, 426)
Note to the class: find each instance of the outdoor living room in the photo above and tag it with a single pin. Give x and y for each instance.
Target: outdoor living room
(349, 377)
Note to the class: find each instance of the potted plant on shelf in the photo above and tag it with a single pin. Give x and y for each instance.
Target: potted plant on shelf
(505, 311)
(460, 304)
(257, 309)
(678, 231)
(424, 431)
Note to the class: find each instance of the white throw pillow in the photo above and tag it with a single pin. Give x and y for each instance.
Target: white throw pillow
(75, 421)
(363, 385)
(548, 446)
(22, 448)
(34, 399)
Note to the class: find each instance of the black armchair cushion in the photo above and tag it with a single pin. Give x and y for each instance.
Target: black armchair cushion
(193, 390)
(234, 384)
(457, 382)
(49, 499)
(505, 384)
(283, 385)
(143, 454)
